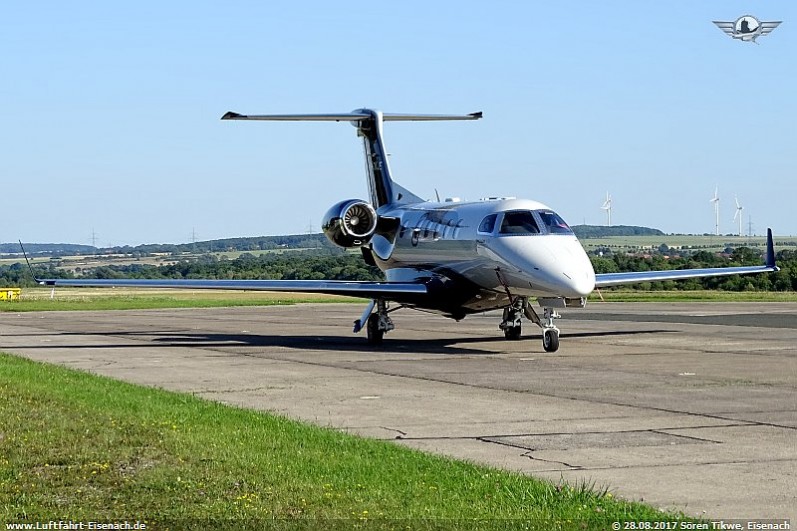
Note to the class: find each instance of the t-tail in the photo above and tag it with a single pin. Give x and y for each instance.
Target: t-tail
(381, 187)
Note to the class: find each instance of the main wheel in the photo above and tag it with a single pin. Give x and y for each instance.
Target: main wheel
(375, 335)
(512, 333)
(550, 340)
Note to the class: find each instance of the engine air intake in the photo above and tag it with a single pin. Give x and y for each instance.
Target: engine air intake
(350, 223)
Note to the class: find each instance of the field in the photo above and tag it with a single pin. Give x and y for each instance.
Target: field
(39, 299)
(704, 243)
(71, 263)
(82, 447)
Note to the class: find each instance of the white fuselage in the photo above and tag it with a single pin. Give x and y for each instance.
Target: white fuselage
(457, 240)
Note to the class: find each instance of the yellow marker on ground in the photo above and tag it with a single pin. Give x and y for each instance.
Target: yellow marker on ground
(10, 294)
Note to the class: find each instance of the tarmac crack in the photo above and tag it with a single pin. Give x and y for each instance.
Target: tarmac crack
(553, 461)
(239, 390)
(692, 464)
(690, 437)
(528, 453)
(660, 431)
(401, 434)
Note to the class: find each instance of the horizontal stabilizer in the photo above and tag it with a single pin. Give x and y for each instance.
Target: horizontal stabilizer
(345, 117)
(355, 116)
(388, 117)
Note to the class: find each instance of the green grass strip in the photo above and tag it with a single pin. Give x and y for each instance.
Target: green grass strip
(145, 302)
(612, 295)
(74, 446)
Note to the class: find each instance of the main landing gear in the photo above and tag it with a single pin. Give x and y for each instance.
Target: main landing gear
(376, 319)
(511, 323)
(376, 322)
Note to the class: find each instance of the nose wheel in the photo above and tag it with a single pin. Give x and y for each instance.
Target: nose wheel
(550, 339)
(550, 334)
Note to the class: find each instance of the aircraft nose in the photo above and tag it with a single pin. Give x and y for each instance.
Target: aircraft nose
(554, 264)
(578, 271)
(579, 282)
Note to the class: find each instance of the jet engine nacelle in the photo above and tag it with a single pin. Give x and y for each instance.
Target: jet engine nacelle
(350, 223)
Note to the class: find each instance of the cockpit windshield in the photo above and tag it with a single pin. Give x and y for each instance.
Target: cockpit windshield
(553, 222)
(532, 222)
(519, 222)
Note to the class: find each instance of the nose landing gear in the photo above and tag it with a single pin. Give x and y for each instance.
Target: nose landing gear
(550, 334)
(511, 323)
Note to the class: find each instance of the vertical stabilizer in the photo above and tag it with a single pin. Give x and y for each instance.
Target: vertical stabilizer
(381, 187)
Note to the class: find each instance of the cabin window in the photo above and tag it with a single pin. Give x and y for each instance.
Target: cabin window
(488, 224)
(519, 222)
(553, 222)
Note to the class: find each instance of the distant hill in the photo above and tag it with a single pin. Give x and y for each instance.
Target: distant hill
(602, 231)
(47, 248)
(255, 243)
(262, 243)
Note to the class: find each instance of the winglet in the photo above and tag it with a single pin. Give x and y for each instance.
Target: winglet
(229, 115)
(771, 252)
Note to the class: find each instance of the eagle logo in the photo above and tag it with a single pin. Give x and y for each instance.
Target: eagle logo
(747, 28)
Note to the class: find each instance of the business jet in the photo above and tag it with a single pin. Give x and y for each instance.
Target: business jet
(451, 257)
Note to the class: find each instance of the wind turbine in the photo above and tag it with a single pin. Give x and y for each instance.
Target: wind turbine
(607, 206)
(716, 201)
(738, 214)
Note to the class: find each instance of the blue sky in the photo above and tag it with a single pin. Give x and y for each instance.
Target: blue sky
(110, 112)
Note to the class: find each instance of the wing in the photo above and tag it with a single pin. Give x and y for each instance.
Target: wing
(635, 277)
(767, 27)
(727, 27)
(366, 290)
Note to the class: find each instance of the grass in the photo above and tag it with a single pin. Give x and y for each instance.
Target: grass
(613, 295)
(38, 299)
(81, 447)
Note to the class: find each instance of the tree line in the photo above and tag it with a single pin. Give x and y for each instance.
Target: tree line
(340, 265)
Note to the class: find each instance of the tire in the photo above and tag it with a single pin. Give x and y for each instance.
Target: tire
(375, 335)
(512, 333)
(550, 340)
